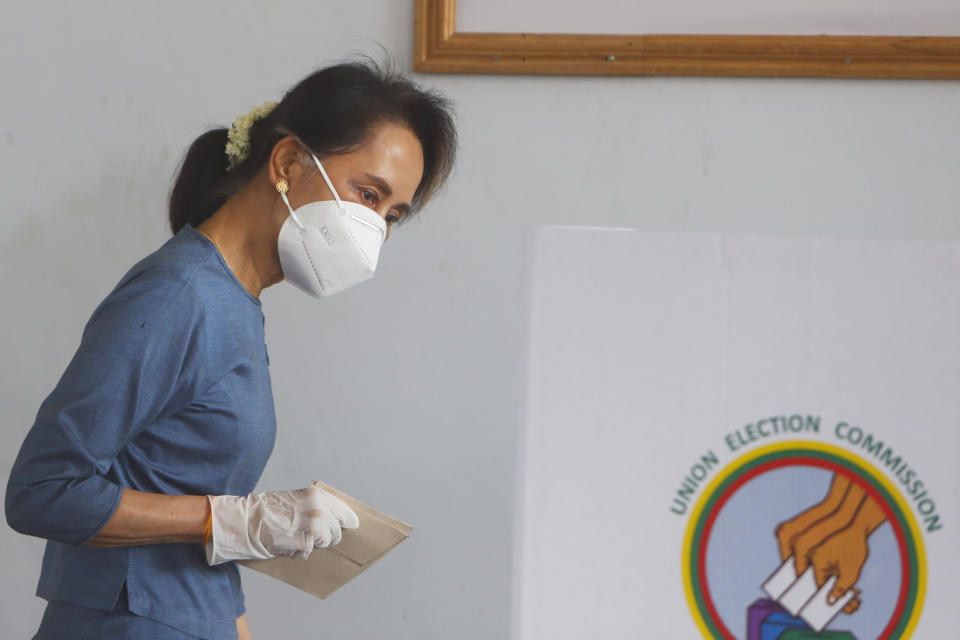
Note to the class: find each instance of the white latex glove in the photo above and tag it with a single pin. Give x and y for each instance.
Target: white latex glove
(276, 523)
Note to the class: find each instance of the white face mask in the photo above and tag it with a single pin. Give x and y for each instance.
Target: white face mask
(329, 245)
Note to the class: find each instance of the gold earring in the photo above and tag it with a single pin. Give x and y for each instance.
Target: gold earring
(282, 186)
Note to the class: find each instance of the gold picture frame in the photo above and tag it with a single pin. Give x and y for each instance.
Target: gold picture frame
(438, 48)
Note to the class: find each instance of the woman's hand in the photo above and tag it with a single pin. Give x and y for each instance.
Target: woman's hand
(276, 523)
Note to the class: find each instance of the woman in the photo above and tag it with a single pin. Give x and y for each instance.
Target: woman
(139, 465)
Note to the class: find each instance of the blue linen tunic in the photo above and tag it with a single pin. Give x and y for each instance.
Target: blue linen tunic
(169, 392)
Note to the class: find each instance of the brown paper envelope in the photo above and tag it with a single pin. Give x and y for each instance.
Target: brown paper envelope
(326, 570)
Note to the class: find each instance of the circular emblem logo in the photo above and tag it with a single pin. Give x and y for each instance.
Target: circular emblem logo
(801, 538)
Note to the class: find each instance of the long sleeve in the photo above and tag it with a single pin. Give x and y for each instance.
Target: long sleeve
(140, 358)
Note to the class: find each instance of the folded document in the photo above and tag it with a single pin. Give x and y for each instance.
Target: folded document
(328, 569)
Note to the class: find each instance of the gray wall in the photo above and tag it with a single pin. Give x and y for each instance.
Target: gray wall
(407, 391)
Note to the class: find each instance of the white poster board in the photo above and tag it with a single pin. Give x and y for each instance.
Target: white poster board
(704, 409)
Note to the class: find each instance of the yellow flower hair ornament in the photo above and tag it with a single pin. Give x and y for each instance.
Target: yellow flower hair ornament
(238, 138)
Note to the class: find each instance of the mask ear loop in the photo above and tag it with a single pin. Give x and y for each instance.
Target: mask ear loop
(283, 195)
(329, 184)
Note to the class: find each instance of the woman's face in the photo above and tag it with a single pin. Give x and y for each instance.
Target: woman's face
(383, 174)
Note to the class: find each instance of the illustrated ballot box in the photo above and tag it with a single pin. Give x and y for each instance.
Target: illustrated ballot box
(757, 613)
(776, 626)
(767, 620)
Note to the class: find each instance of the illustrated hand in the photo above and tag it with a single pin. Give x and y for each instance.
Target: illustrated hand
(844, 553)
(813, 536)
(832, 537)
(276, 523)
(787, 531)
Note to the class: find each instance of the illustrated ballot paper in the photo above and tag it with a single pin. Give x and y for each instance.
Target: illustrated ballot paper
(326, 570)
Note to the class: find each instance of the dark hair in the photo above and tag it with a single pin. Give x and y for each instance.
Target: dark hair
(331, 111)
